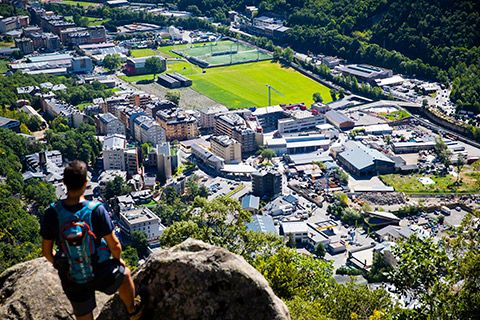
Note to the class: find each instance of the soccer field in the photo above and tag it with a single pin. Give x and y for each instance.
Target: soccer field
(244, 85)
(220, 53)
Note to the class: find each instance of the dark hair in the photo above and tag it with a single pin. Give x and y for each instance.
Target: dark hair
(75, 175)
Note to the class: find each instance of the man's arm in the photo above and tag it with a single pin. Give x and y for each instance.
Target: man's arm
(47, 249)
(114, 245)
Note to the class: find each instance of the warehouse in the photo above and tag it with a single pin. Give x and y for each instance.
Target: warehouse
(361, 160)
(339, 120)
(168, 81)
(184, 81)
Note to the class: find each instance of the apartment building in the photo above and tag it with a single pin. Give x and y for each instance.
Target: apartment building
(227, 148)
(178, 124)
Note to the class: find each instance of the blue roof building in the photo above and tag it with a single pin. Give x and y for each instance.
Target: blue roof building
(250, 202)
(262, 223)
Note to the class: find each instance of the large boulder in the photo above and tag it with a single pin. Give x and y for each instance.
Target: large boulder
(32, 291)
(194, 280)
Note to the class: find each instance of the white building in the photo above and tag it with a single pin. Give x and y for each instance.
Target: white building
(143, 220)
(118, 156)
(297, 230)
(147, 130)
(300, 120)
(207, 116)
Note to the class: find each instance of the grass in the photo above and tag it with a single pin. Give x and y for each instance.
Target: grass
(7, 44)
(244, 85)
(470, 183)
(396, 115)
(80, 3)
(3, 66)
(141, 77)
(140, 53)
(82, 105)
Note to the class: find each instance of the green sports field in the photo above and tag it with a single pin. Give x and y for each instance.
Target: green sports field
(244, 85)
(140, 53)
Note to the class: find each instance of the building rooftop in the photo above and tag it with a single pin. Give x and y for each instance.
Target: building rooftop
(294, 227)
(114, 142)
(361, 156)
(250, 202)
(262, 223)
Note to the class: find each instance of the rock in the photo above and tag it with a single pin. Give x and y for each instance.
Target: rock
(32, 291)
(194, 280)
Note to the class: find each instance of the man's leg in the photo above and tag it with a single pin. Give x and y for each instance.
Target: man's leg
(127, 291)
(86, 317)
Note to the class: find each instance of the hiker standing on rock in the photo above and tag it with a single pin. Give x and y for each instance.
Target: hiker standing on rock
(88, 255)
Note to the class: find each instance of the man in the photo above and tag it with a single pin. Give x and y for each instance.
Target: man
(109, 275)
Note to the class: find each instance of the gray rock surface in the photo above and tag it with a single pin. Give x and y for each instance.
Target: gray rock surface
(32, 291)
(194, 280)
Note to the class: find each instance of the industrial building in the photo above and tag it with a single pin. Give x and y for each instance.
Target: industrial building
(339, 120)
(361, 160)
(184, 81)
(365, 72)
(168, 82)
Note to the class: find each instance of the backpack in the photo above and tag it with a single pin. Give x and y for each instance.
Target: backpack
(77, 241)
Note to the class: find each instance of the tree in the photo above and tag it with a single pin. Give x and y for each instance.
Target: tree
(130, 255)
(194, 10)
(154, 65)
(173, 96)
(293, 274)
(288, 55)
(317, 97)
(138, 240)
(442, 151)
(333, 93)
(40, 193)
(461, 161)
(112, 62)
(115, 188)
(320, 250)
(268, 154)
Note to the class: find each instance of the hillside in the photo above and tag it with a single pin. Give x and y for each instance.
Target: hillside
(436, 40)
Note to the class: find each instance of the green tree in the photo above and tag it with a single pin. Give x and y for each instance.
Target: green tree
(317, 97)
(268, 154)
(461, 161)
(173, 95)
(154, 65)
(138, 240)
(333, 93)
(40, 193)
(130, 255)
(115, 188)
(320, 250)
(442, 151)
(112, 62)
(292, 274)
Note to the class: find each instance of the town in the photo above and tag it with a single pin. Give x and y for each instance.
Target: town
(341, 159)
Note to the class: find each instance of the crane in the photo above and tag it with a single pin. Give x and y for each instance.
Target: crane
(270, 93)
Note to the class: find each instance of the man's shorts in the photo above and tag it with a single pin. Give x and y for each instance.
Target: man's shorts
(108, 278)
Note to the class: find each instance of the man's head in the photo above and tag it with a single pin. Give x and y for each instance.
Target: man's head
(75, 177)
